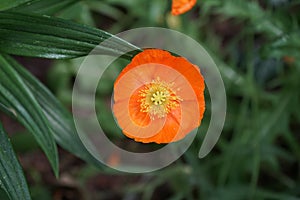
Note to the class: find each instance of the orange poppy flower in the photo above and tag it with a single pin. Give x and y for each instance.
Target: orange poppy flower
(158, 97)
(182, 6)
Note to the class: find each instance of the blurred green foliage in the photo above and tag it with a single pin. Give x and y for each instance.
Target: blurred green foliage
(256, 47)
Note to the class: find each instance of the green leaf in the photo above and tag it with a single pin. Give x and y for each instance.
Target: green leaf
(105, 9)
(60, 120)
(44, 7)
(12, 179)
(5, 109)
(50, 37)
(7, 4)
(16, 96)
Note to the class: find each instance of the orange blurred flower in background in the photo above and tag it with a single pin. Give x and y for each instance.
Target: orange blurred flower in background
(182, 6)
(158, 97)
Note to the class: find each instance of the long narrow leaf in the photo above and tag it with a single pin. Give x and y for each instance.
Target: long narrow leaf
(44, 7)
(60, 120)
(16, 95)
(50, 37)
(11, 174)
(5, 109)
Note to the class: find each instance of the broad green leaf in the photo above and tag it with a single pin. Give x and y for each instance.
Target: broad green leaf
(50, 37)
(60, 120)
(12, 179)
(7, 4)
(44, 7)
(16, 96)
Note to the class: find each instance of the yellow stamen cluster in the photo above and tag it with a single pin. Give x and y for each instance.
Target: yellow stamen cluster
(158, 98)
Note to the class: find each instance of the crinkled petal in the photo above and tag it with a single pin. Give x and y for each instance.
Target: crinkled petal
(184, 78)
(182, 6)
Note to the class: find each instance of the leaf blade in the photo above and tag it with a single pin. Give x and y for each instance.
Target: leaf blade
(16, 95)
(60, 120)
(50, 37)
(44, 7)
(11, 174)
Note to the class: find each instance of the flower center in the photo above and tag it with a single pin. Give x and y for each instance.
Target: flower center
(158, 98)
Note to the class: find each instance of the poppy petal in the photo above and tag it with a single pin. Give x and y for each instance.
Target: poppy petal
(157, 80)
(131, 126)
(182, 6)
